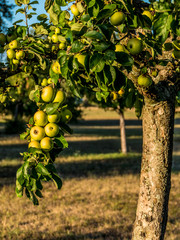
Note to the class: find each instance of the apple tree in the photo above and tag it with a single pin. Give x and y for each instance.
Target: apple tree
(80, 52)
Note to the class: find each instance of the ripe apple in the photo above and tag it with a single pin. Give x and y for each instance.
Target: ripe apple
(54, 118)
(2, 39)
(66, 115)
(47, 94)
(46, 144)
(119, 48)
(11, 53)
(51, 129)
(20, 54)
(144, 81)
(44, 82)
(81, 59)
(11, 36)
(59, 97)
(75, 10)
(57, 30)
(15, 61)
(49, 81)
(54, 38)
(62, 45)
(34, 144)
(37, 133)
(13, 44)
(135, 46)
(56, 67)
(148, 14)
(40, 118)
(117, 18)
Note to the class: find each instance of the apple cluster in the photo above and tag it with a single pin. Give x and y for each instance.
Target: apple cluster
(46, 126)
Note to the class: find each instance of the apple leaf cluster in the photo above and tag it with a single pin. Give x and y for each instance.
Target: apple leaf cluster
(122, 51)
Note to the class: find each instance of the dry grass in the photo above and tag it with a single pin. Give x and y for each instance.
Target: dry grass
(99, 194)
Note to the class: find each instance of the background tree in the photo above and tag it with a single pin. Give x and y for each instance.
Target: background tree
(82, 53)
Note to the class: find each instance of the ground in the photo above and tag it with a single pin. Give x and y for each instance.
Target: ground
(100, 185)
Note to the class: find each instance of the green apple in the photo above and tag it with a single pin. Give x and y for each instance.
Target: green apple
(47, 94)
(66, 115)
(59, 97)
(44, 82)
(2, 39)
(40, 118)
(15, 61)
(57, 30)
(62, 45)
(55, 38)
(56, 67)
(20, 54)
(37, 133)
(12, 36)
(135, 46)
(13, 44)
(11, 53)
(144, 81)
(117, 18)
(54, 118)
(51, 129)
(148, 14)
(81, 59)
(75, 10)
(34, 144)
(46, 144)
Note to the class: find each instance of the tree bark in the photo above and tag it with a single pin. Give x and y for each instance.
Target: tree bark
(122, 133)
(155, 180)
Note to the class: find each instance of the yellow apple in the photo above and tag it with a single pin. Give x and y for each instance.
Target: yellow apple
(57, 30)
(44, 82)
(59, 97)
(75, 10)
(62, 45)
(47, 94)
(20, 54)
(13, 44)
(56, 67)
(34, 144)
(37, 133)
(144, 81)
(51, 129)
(11, 53)
(54, 38)
(15, 61)
(40, 118)
(54, 118)
(46, 144)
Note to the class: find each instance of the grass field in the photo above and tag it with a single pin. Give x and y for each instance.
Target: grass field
(100, 185)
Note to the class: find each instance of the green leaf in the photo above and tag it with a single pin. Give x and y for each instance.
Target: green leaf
(53, 16)
(94, 35)
(77, 46)
(40, 168)
(24, 135)
(124, 59)
(61, 142)
(100, 46)
(48, 4)
(39, 194)
(61, 2)
(109, 55)
(20, 10)
(65, 128)
(54, 76)
(51, 108)
(64, 66)
(70, 83)
(162, 26)
(20, 175)
(94, 60)
(26, 168)
(57, 180)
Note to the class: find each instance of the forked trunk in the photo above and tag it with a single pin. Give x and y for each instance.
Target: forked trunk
(155, 180)
(122, 132)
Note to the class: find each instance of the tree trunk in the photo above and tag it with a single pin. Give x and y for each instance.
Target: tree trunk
(155, 180)
(123, 133)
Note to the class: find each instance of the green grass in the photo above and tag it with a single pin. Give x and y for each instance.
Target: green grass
(100, 186)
